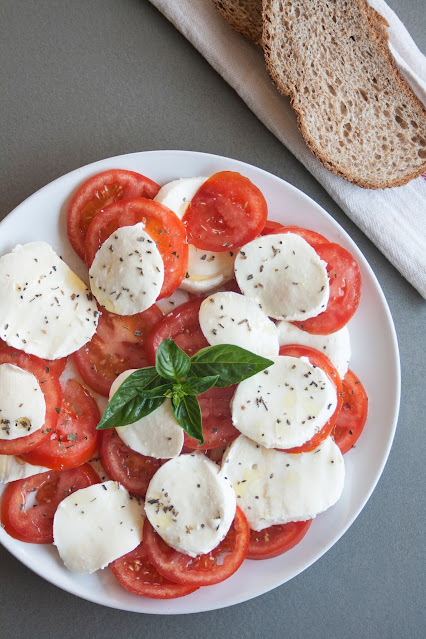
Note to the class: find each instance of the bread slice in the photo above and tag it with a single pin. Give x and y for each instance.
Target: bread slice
(244, 16)
(355, 111)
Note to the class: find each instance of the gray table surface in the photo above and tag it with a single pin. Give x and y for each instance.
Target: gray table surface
(90, 79)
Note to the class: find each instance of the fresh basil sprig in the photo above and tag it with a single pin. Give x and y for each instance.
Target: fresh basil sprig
(180, 378)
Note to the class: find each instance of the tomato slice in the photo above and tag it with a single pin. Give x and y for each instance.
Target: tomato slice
(133, 470)
(117, 345)
(203, 570)
(316, 358)
(51, 388)
(311, 237)
(75, 438)
(161, 224)
(97, 193)
(226, 212)
(345, 291)
(276, 540)
(57, 366)
(351, 420)
(270, 227)
(137, 575)
(34, 524)
(183, 326)
(218, 429)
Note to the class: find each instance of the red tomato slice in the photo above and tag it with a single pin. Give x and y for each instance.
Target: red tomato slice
(57, 366)
(51, 388)
(353, 415)
(204, 570)
(35, 524)
(99, 191)
(227, 211)
(161, 224)
(183, 326)
(270, 227)
(345, 291)
(137, 575)
(316, 358)
(276, 540)
(311, 237)
(75, 438)
(218, 429)
(117, 345)
(133, 470)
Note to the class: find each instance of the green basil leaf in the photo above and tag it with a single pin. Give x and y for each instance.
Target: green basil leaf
(158, 391)
(129, 412)
(128, 404)
(171, 361)
(231, 364)
(188, 415)
(197, 385)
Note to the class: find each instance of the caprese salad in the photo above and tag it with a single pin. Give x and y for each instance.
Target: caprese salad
(196, 261)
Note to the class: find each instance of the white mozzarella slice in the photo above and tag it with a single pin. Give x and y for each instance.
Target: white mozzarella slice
(336, 346)
(96, 525)
(231, 318)
(128, 271)
(273, 487)
(156, 435)
(45, 309)
(284, 275)
(176, 195)
(177, 298)
(206, 269)
(22, 403)
(13, 468)
(190, 505)
(284, 405)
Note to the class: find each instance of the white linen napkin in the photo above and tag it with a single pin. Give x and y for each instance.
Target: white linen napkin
(394, 219)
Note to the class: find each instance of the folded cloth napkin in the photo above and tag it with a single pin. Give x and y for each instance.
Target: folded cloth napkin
(394, 219)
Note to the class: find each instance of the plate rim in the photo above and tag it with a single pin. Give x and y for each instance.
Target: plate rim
(9, 542)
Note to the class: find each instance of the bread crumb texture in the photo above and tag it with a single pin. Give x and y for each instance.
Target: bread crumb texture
(355, 111)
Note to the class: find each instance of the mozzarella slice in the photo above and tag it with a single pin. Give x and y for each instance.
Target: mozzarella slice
(190, 504)
(284, 405)
(206, 269)
(336, 346)
(284, 275)
(45, 309)
(273, 487)
(13, 468)
(230, 318)
(156, 435)
(128, 271)
(22, 403)
(177, 298)
(96, 525)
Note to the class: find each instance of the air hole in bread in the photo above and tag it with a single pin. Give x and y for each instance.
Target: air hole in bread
(422, 154)
(331, 89)
(348, 126)
(343, 108)
(363, 94)
(414, 124)
(402, 123)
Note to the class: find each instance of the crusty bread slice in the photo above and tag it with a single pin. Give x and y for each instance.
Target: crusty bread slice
(244, 16)
(355, 111)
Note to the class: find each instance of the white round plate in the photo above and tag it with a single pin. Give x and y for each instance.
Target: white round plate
(374, 359)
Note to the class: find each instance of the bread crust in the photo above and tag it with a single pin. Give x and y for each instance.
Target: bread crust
(375, 30)
(247, 21)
